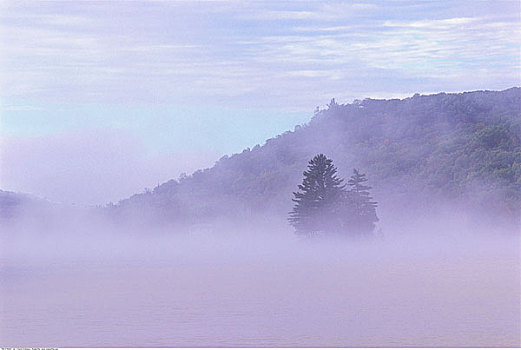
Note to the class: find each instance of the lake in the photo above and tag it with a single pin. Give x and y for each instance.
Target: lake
(208, 294)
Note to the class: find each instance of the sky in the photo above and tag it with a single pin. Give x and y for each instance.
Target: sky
(100, 99)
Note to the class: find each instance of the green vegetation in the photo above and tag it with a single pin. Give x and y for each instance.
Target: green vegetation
(324, 207)
(321, 194)
(359, 212)
(419, 152)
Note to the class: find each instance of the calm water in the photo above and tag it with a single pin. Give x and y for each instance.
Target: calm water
(292, 296)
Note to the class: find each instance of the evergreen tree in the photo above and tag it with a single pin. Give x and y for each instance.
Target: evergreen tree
(323, 205)
(320, 192)
(362, 211)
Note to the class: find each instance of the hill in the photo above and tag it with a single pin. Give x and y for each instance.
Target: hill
(22, 209)
(420, 153)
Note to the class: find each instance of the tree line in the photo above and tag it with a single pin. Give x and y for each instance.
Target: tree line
(420, 152)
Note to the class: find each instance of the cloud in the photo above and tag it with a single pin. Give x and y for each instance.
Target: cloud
(253, 53)
(426, 47)
(314, 11)
(433, 24)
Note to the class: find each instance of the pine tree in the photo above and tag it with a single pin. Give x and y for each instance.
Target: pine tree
(324, 206)
(320, 192)
(363, 209)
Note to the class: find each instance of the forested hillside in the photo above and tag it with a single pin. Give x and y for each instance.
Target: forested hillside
(419, 152)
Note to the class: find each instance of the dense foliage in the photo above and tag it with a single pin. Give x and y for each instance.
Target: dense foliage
(321, 194)
(359, 209)
(323, 207)
(464, 148)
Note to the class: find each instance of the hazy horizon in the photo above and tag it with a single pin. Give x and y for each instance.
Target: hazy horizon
(106, 98)
(387, 217)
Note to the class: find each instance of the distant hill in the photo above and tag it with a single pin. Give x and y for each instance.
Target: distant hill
(420, 152)
(23, 209)
(13, 204)
(24, 213)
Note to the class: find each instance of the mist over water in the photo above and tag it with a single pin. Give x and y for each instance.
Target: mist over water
(122, 103)
(90, 286)
(210, 260)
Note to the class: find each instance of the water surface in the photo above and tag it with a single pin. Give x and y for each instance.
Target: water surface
(215, 295)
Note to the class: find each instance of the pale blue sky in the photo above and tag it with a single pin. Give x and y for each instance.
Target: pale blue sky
(185, 82)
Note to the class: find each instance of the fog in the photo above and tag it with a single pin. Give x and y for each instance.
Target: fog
(85, 167)
(109, 240)
(209, 259)
(86, 283)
